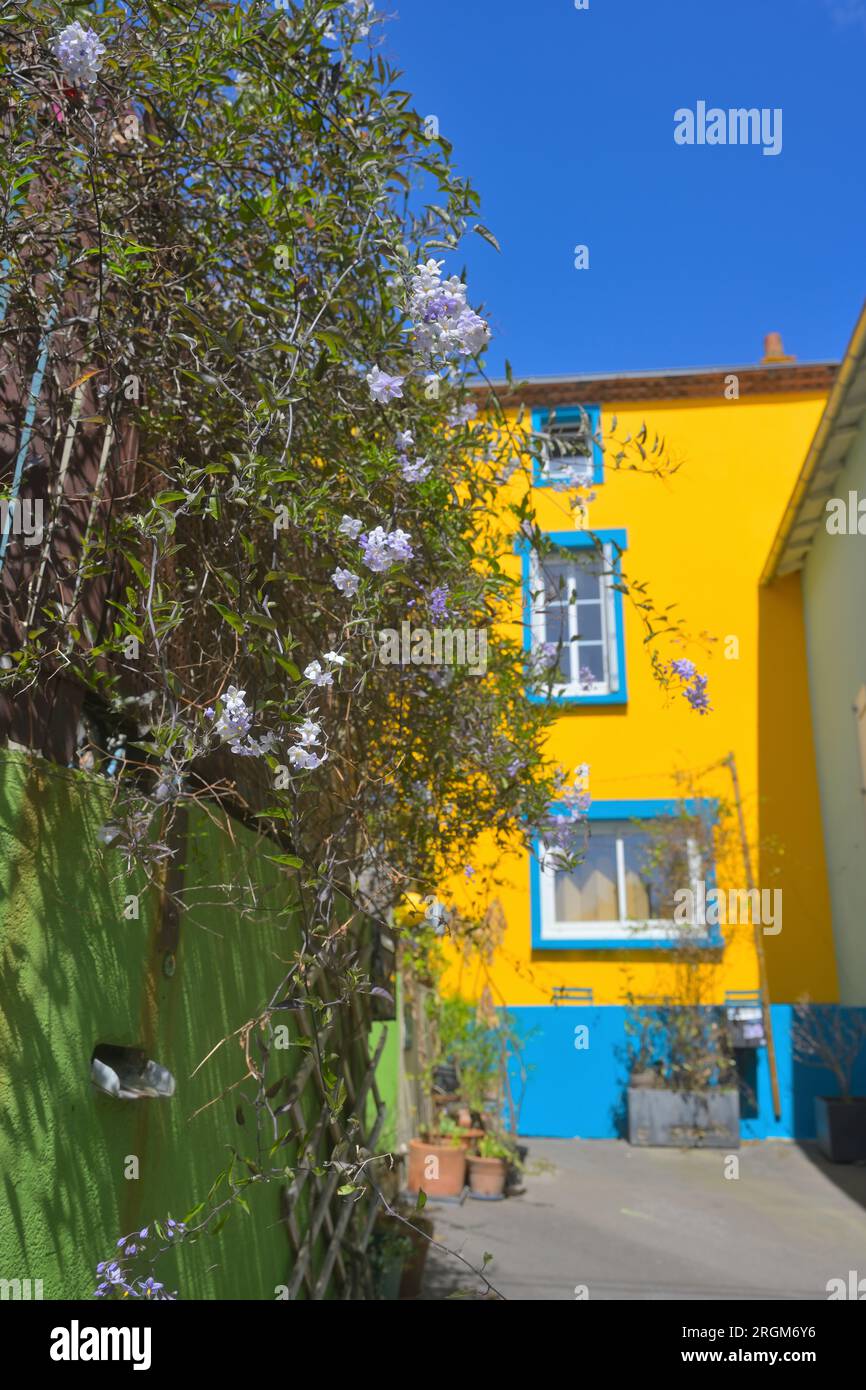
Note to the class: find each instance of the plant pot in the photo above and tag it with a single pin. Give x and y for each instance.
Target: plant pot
(663, 1118)
(841, 1127)
(487, 1176)
(413, 1269)
(468, 1137)
(440, 1169)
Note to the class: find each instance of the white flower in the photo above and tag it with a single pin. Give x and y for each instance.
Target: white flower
(436, 915)
(400, 545)
(416, 470)
(346, 581)
(383, 387)
(302, 757)
(315, 674)
(443, 322)
(79, 53)
(234, 719)
(405, 441)
(335, 658)
(350, 527)
(309, 733)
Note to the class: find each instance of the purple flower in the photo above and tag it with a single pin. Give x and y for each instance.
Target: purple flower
(382, 549)
(79, 53)
(437, 602)
(384, 388)
(686, 670)
(697, 696)
(346, 581)
(416, 470)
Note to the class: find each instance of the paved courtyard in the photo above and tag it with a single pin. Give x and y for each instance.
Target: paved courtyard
(660, 1224)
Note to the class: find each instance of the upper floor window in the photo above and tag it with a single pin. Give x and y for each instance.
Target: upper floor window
(568, 450)
(575, 617)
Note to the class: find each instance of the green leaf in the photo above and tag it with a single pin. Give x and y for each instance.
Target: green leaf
(487, 235)
(231, 618)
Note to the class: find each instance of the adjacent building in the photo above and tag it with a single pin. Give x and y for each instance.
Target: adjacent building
(578, 954)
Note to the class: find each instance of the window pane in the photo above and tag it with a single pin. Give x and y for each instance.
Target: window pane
(555, 577)
(590, 656)
(587, 577)
(556, 631)
(654, 870)
(589, 621)
(588, 892)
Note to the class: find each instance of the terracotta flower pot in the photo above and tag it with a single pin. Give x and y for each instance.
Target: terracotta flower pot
(469, 1137)
(438, 1168)
(487, 1176)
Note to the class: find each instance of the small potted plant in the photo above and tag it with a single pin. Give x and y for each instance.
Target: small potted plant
(488, 1168)
(437, 1161)
(831, 1037)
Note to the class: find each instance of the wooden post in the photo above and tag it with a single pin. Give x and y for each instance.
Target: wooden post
(731, 763)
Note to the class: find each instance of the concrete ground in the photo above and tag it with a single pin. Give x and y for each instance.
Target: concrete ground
(659, 1224)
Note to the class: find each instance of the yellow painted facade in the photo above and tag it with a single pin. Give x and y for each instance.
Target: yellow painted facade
(698, 538)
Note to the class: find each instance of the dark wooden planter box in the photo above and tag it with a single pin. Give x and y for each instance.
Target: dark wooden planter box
(684, 1119)
(841, 1126)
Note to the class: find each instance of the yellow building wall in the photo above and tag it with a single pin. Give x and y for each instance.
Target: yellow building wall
(699, 539)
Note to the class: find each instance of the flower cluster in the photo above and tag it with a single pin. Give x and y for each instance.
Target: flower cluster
(114, 1276)
(382, 548)
(462, 415)
(79, 53)
(318, 674)
(437, 603)
(414, 470)
(442, 321)
(304, 754)
(564, 833)
(233, 724)
(542, 659)
(693, 685)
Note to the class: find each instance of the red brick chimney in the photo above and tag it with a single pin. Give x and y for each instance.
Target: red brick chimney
(774, 352)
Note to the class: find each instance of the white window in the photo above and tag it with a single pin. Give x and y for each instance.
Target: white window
(567, 446)
(617, 893)
(574, 622)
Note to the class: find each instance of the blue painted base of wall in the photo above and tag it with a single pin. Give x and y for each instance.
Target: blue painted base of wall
(564, 1091)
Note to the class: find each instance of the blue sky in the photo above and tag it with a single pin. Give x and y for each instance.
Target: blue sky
(564, 121)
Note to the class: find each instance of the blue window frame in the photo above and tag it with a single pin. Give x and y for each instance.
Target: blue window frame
(614, 898)
(567, 432)
(572, 602)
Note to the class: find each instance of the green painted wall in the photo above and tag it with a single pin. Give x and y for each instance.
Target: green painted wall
(834, 599)
(386, 1082)
(75, 972)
